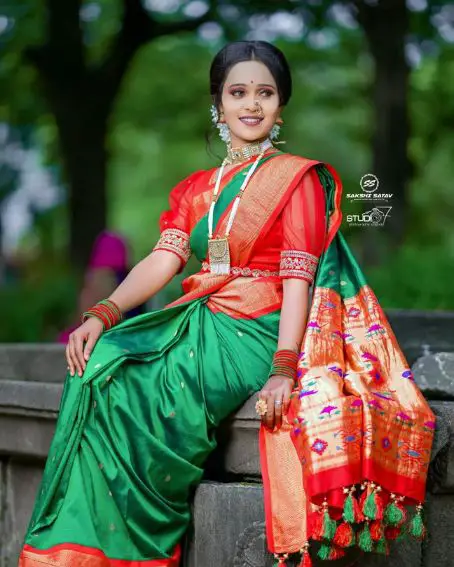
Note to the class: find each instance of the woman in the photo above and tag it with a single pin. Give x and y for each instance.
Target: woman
(107, 267)
(140, 408)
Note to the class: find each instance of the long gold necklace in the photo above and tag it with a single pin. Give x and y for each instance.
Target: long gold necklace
(218, 248)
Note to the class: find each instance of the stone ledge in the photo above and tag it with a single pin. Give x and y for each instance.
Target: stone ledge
(418, 332)
(28, 413)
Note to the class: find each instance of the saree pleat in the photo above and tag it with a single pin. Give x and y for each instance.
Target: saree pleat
(145, 425)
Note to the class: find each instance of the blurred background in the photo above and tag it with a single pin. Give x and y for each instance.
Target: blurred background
(104, 107)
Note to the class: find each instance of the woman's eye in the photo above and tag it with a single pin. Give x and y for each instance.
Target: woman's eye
(237, 92)
(266, 92)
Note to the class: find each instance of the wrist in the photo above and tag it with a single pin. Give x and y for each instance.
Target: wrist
(284, 377)
(106, 311)
(284, 364)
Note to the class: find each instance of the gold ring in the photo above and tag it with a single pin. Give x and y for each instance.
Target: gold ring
(261, 407)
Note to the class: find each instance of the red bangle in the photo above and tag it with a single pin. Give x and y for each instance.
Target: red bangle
(106, 311)
(285, 363)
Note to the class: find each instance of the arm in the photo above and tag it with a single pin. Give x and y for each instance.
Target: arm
(303, 241)
(146, 278)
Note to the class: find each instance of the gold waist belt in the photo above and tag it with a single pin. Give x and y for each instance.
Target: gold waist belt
(248, 272)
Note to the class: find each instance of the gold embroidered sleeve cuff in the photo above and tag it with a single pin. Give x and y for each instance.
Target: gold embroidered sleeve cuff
(298, 264)
(176, 241)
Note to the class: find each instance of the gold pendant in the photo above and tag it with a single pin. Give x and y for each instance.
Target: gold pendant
(219, 255)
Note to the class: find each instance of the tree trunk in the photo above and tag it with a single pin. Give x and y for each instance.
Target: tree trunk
(386, 25)
(86, 163)
(81, 99)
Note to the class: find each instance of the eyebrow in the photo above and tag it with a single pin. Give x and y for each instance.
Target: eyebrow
(244, 85)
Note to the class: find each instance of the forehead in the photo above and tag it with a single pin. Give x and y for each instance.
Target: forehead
(247, 71)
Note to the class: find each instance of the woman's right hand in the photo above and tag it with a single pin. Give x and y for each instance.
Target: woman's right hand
(76, 353)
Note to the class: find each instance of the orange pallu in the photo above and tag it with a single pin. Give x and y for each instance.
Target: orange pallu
(354, 449)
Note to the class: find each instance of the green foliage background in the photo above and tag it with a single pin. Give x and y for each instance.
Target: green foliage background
(157, 136)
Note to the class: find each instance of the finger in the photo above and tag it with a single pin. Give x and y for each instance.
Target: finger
(69, 361)
(72, 349)
(278, 412)
(79, 348)
(286, 402)
(72, 356)
(89, 346)
(263, 395)
(270, 412)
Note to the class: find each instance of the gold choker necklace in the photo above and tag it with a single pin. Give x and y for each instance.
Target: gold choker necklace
(243, 153)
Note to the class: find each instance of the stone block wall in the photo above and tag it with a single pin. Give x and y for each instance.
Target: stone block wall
(228, 517)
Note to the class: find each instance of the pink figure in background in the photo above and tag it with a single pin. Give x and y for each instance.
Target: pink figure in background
(107, 267)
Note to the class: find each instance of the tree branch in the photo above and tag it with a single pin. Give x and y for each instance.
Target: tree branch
(138, 28)
(64, 46)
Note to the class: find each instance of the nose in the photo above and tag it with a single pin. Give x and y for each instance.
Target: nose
(254, 106)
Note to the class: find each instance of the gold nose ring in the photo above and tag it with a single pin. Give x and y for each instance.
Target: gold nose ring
(258, 107)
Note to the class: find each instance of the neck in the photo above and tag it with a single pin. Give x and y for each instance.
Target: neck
(247, 150)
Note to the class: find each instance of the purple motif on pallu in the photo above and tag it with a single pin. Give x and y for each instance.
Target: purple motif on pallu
(386, 444)
(319, 446)
(314, 325)
(403, 416)
(353, 312)
(408, 374)
(337, 369)
(376, 376)
(383, 395)
(369, 356)
(375, 404)
(374, 329)
(338, 333)
(297, 430)
(430, 424)
(304, 393)
(412, 453)
(300, 372)
(348, 337)
(328, 410)
(357, 403)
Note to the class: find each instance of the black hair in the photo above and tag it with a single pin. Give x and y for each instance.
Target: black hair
(238, 51)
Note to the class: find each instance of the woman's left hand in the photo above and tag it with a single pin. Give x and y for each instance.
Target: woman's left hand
(277, 389)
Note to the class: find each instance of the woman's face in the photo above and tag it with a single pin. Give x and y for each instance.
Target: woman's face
(248, 83)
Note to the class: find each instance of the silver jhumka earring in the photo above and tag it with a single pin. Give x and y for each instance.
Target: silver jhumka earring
(224, 131)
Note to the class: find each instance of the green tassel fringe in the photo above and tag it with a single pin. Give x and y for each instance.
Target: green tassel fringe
(364, 540)
(393, 515)
(324, 551)
(329, 526)
(349, 512)
(416, 528)
(370, 507)
(382, 546)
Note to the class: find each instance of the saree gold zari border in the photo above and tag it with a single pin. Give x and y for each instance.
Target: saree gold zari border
(80, 556)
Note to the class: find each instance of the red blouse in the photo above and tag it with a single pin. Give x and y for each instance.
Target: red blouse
(291, 248)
